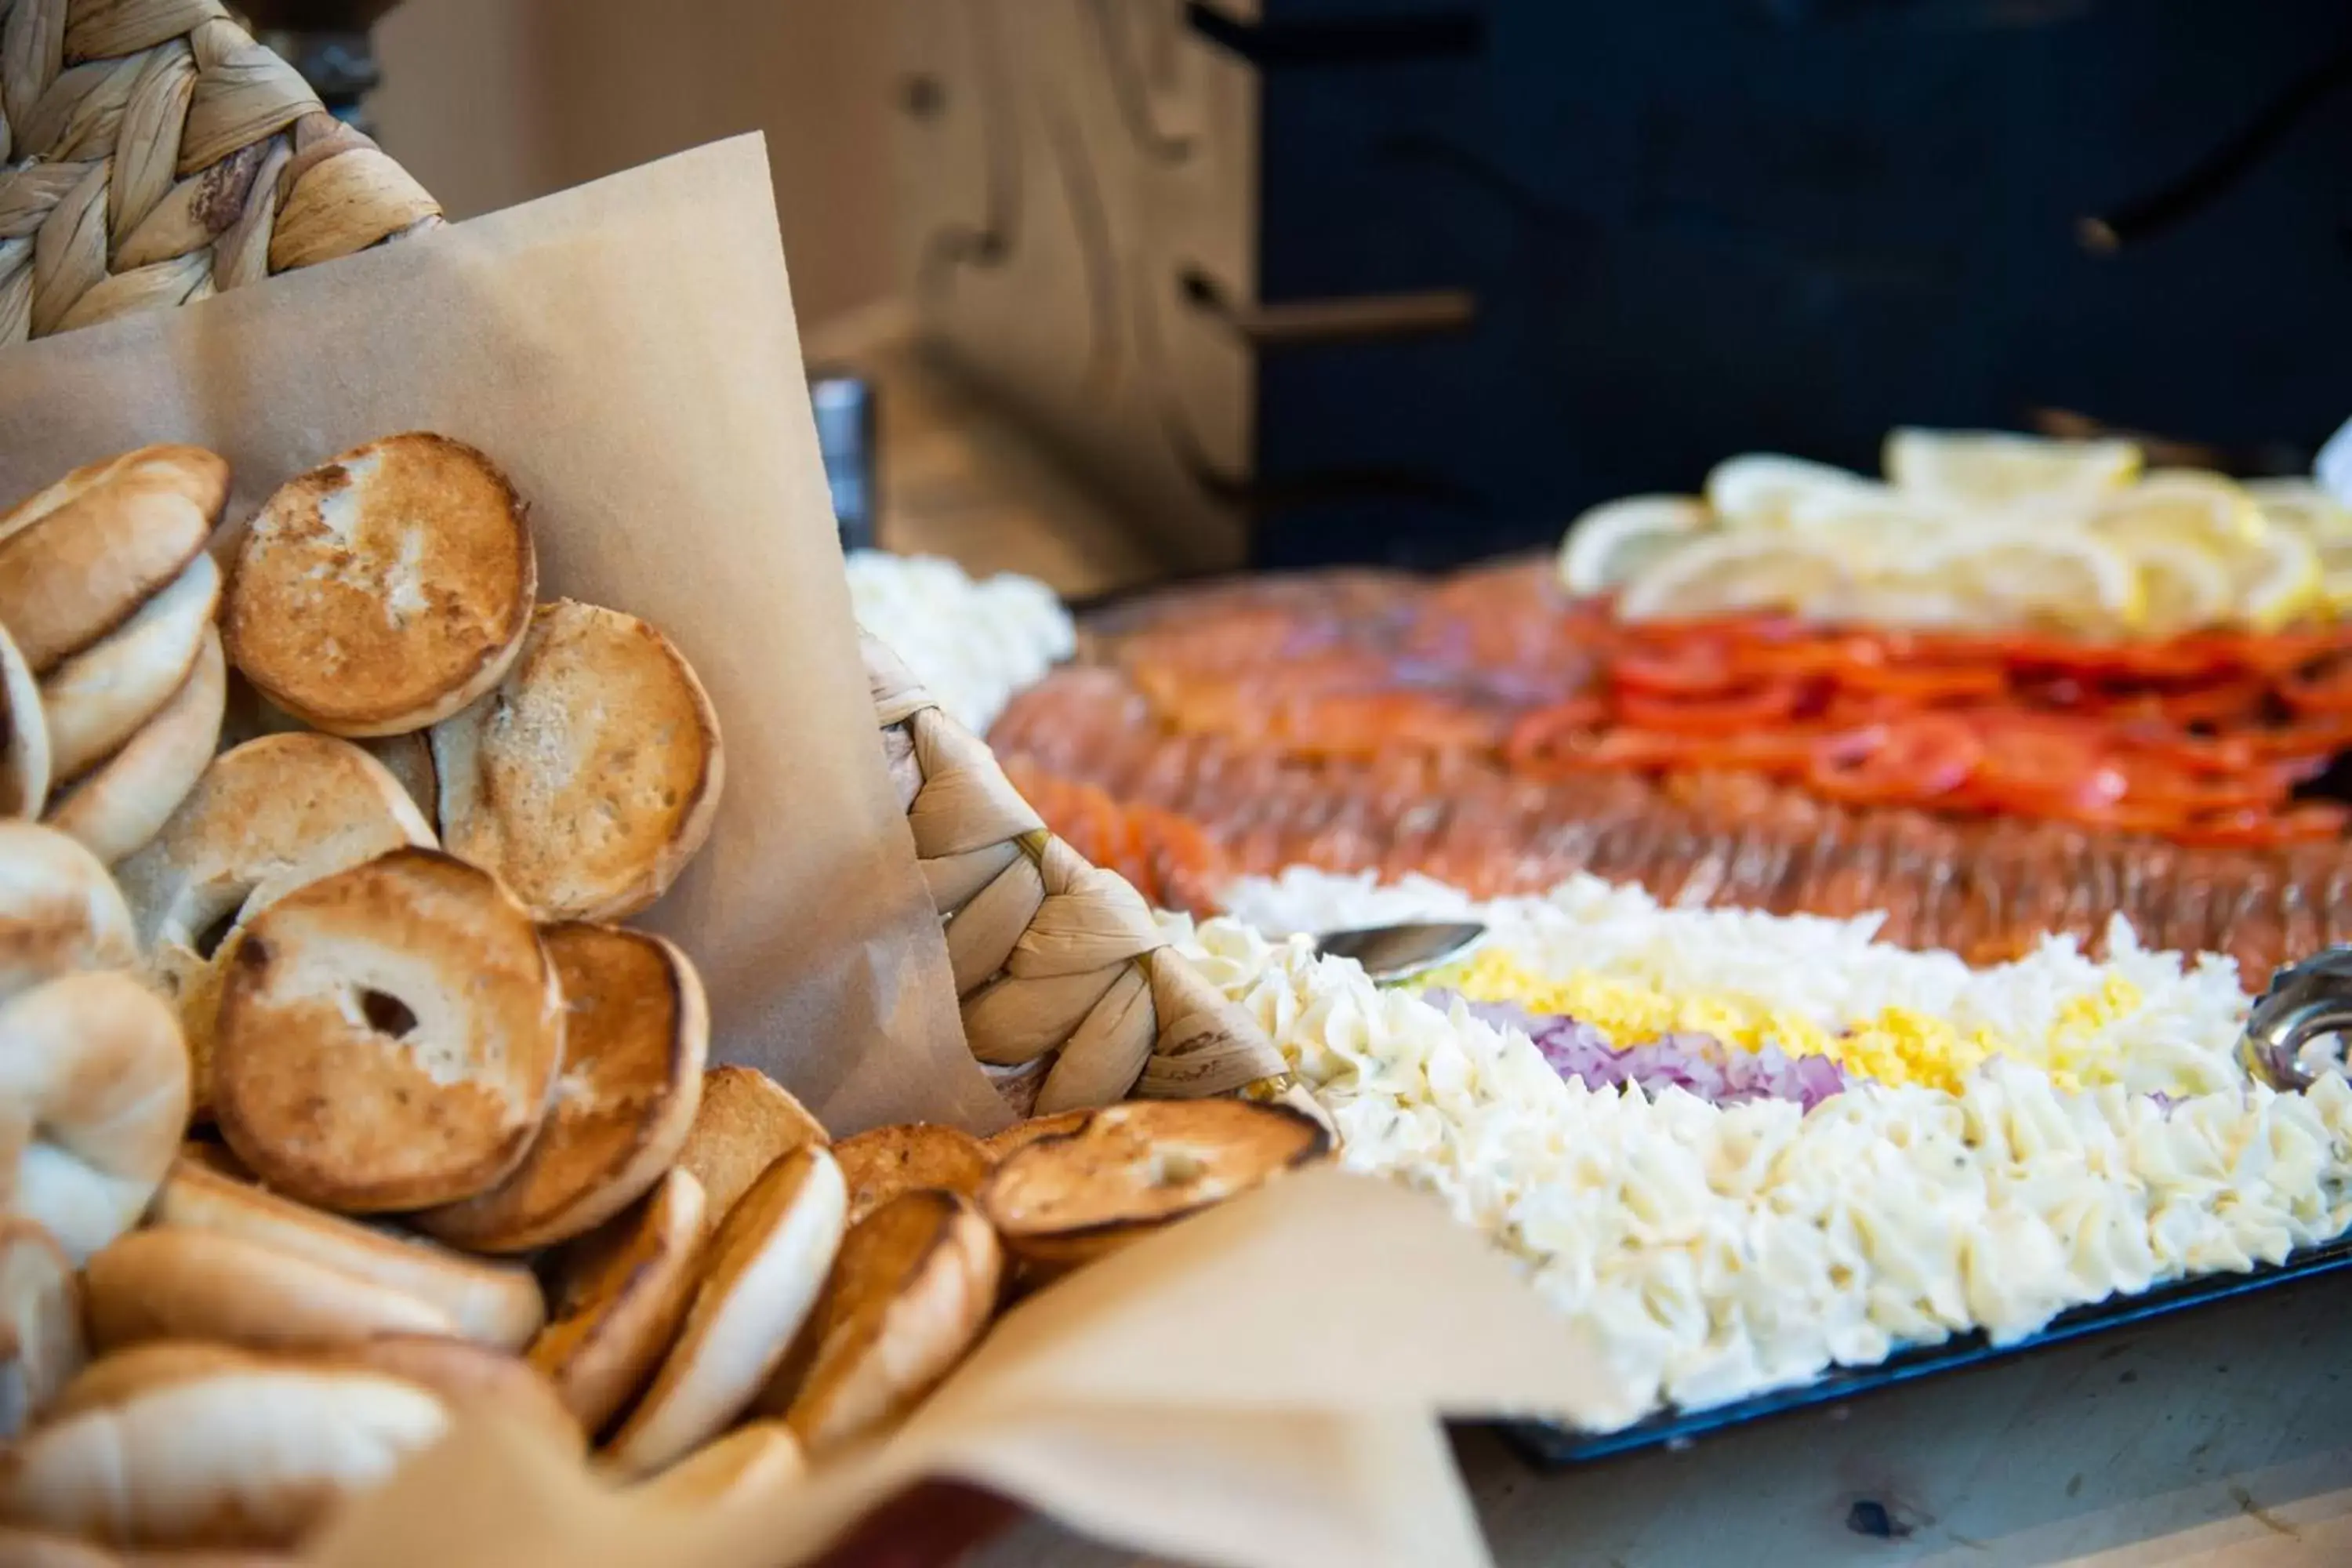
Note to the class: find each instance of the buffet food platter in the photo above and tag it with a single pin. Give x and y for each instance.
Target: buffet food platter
(1553, 1446)
(1874, 877)
(1971, 790)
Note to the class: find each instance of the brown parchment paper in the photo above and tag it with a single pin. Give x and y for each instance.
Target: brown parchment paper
(1261, 1386)
(1257, 1388)
(627, 351)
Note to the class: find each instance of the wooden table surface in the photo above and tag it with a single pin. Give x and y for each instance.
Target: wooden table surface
(2221, 1438)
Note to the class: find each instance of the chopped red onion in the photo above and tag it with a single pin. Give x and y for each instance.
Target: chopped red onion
(1698, 1063)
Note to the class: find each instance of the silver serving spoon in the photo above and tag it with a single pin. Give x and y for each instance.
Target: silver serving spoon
(2304, 1002)
(1399, 952)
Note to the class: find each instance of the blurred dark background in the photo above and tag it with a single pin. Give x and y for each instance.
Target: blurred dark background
(1416, 280)
(1673, 231)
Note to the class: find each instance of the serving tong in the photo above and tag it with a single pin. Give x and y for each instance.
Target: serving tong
(2303, 1002)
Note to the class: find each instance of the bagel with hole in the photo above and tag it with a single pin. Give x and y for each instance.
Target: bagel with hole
(119, 805)
(96, 700)
(177, 1284)
(264, 819)
(498, 1304)
(880, 1163)
(93, 1100)
(60, 910)
(745, 1123)
(767, 1262)
(388, 1038)
(590, 777)
(635, 1030)
(79, 558)
(384, 590)
(223, 1449)
(751, 1462)
(471, 1377)
(1127, 1169)
(621, 1293)
(27, 758)
(42, 1346)
(915, 1288)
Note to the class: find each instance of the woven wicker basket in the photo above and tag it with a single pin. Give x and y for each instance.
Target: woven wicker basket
(152, 153)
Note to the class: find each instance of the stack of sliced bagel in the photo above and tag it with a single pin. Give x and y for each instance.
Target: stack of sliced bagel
(395, 1121)
(109, 663)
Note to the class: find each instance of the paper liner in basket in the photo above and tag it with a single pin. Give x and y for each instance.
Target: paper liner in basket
(627, 352)
(1258, 1386)
(1066, 980)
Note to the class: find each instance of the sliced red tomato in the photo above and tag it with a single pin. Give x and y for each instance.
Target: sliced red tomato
(2176, 659)
(2320, 734)
(2154, 780)
(1927, 682)
(2222, 703)
(2042, 766)
(1721, 713)
(1696, 669)
(1799, 658)
(2224, 754)
(2324, 686)
(2275, 654)
(1922, 758)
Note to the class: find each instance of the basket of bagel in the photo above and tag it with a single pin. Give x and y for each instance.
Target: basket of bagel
(520, 1039)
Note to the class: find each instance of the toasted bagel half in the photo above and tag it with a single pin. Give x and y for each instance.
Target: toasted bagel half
(93, 1102)
(60, 910)
(590, 777)
(745, 1122)
(1127, 1169)
(883, 1162)
(79, 558)
(768, 1261)
(121, 804)
(635, 1030)
(914, 1287)
(384, 590)
(621, 1292)
(177, 1284)
(498, 1304)
(96, 700)
(389, 1036)
(226, 1448)
(27, 757)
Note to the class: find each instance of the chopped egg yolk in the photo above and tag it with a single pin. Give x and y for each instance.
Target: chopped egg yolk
(1897, 1045)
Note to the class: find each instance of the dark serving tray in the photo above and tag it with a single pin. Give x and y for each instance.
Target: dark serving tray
(1549, 1445)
